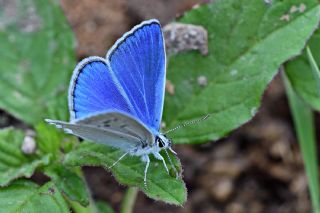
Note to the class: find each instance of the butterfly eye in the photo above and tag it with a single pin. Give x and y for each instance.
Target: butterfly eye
(159, 142)
(161, 145)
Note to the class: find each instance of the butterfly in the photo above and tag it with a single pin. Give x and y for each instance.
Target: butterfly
(118, 100)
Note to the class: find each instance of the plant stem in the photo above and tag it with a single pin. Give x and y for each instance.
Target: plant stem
(129, 200)
(304, 125)
(78, 208)
(314, 68)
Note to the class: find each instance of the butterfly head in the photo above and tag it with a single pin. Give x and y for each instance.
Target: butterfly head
(163, 142)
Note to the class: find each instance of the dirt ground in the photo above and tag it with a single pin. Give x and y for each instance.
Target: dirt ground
(256, 169)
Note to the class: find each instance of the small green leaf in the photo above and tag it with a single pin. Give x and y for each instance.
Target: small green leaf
(130, 171)
(303, 72)
(26, 196)
(50, 140)
(69, 183)
(13, 163)
(248, 41)
(37, 58)
(103, 207)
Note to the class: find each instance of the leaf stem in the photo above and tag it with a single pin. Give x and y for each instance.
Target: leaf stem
(304, 126)
(314, 68)
(78, 208)
(129, 200)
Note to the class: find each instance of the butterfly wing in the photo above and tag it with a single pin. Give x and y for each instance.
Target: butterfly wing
(94, 88)
(131, 79)
(138, 62)
(120, 122)
(115, 129)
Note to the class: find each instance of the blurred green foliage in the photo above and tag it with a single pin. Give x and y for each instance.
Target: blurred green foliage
(13, 163)
(37, 59)
(26, 196)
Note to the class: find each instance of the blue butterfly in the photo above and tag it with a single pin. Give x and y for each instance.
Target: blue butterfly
(118, 101)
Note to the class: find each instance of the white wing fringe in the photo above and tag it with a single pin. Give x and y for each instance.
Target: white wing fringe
(60, 125)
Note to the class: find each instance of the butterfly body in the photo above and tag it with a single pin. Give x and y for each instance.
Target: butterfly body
(118, 100)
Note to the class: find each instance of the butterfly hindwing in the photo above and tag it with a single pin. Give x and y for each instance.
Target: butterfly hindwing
(120, 122)
(111, 128)
(138, 62)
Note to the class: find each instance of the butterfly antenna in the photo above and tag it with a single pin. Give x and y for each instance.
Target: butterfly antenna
(188, 123)
(118, 160)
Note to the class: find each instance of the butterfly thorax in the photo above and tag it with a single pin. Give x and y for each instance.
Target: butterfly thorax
(160, 142)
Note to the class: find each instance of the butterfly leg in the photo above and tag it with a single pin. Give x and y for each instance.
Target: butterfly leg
(171, 150)
(159, 157)
(145, 158)
(172, 165)
(118, 160)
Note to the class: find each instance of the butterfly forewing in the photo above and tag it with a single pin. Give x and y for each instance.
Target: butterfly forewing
(139, 63)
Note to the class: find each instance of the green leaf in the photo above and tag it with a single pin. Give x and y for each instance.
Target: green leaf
(248, 41)
(37, 59)
(69, 183)
(26, 196)
(304, 124)
(303, 73)
(50, 140)
(13, 163)
(104, 207)
(130, 171)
